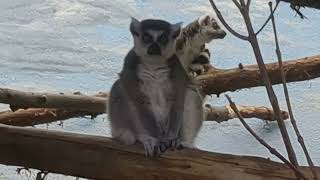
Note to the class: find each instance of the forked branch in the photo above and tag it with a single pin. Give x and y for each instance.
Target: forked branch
(252, 38)
(261, 141)
(286, 93)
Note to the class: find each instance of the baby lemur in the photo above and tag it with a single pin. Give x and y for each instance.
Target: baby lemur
(146, 103)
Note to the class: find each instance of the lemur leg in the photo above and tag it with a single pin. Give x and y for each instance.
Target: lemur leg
(127, 127)
(180, 81)
(193, 117)
(121, 129)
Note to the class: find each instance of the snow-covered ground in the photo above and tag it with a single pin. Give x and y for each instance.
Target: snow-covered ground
(79, 45)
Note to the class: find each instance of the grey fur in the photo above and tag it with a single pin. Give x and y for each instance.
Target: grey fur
(146, 103)
(155, 101)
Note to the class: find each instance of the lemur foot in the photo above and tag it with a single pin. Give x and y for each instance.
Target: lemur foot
(186, 145)
(171, 143)
(152, 146)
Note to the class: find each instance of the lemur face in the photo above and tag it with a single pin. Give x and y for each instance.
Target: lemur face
(211, 28)
(154, 38)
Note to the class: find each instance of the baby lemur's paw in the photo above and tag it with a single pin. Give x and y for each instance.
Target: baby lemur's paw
(198, 65)
(151, 145)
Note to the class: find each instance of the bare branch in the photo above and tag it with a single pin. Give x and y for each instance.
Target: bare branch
(225, 24)
(265, 144)
(252, 38)
(286, 92)
(237, 4)
(248, 4)
(242, 3)
(268, 19)
(304, 3)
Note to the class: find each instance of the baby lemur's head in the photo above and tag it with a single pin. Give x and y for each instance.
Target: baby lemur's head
(154, 39)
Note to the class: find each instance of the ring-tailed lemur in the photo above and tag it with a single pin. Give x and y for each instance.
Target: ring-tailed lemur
(150, 99)
(146, 103)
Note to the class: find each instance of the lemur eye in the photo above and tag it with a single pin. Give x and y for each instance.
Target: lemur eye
(163, 39)
(215, 25)
(146, 38)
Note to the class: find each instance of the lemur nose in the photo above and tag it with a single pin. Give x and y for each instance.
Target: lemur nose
(221, 34)
(154, 49)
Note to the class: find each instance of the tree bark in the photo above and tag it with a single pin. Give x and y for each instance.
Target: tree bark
(20, 99)
(217, 81)
(225, 113)
(35, 116)
(99, 157)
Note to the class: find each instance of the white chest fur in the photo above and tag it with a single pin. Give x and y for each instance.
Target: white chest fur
(157, 86)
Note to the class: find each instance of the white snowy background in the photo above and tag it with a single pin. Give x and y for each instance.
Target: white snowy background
(79, 45)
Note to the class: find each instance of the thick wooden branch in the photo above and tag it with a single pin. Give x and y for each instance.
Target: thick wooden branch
(98, 157)
(35, 116)
(22, 99)
(218, 81)
(225, 113)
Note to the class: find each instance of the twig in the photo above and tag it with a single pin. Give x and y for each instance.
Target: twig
(236, 3)
(248, 4)
(296, 8)
(225, 24)
(243, 5)
(261, 141)
(286, 92)
(268, 19)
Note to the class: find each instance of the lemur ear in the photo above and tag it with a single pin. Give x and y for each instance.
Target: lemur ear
(134, 26)
(176, 29)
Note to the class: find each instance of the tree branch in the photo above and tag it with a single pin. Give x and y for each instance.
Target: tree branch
(252, 38)
(268, 86)
(22, 99)
(271, 149)
(35, 116)
(268, 19)
(304, 3)
(97, 157)
(217, 81)
(286, 92)
(225, 24)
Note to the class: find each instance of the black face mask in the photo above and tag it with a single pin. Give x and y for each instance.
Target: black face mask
(154, 49)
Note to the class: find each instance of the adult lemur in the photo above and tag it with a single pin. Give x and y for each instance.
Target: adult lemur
(154, 101)
(146, 103)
